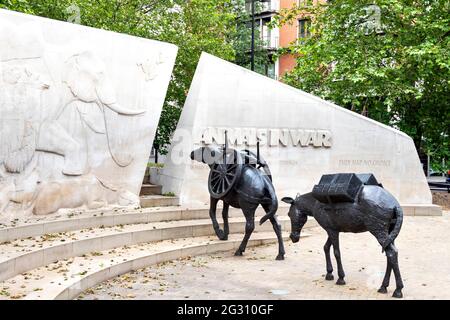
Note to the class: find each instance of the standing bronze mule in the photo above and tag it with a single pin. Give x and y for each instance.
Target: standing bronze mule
(374, 210)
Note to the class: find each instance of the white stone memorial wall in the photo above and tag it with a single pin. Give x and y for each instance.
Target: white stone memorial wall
(79, 108)
(302, 137)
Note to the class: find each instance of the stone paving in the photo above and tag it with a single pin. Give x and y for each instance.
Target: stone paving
(424, 257)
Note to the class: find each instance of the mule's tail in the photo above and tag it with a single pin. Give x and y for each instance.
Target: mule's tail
(272, 211)
(398, 216)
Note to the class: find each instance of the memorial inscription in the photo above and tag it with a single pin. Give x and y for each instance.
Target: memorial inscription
(272, 137)
(365, 162)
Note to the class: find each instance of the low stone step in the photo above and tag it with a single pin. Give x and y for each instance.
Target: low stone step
(150, 189)
(73, 219)
(67, 279)
(26, 254)
(36, 226)
(158, 201)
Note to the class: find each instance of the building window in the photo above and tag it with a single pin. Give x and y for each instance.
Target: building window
(271, 71)
(248, 6)
(304, 28)
(262, 5)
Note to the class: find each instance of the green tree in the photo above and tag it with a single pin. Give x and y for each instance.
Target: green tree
(388, 59)
(18, 5)
(243, 39)
(200, 25)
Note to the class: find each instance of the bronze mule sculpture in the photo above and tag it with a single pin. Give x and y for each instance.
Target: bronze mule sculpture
(236, 180)
(375, 210)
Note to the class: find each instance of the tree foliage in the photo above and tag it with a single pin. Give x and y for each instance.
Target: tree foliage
(243, 39)
(388, 59)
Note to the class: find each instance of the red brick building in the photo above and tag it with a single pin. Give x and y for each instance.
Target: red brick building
(280, 37)
(290, 33)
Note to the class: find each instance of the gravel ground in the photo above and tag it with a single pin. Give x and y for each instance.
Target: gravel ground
(442, 199)
(424, 258)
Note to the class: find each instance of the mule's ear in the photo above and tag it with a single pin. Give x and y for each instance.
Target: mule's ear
(288, 200)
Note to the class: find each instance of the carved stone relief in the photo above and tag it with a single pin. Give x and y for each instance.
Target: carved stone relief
(150, 67)
(86, 190)
(66, 138)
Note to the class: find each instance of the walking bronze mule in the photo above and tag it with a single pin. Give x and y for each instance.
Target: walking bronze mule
(236, 180)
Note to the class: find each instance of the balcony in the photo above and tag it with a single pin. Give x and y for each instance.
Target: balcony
(270, 42)
(263, 8)
(270, 6)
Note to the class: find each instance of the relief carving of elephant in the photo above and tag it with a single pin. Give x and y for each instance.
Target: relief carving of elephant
(89, 85)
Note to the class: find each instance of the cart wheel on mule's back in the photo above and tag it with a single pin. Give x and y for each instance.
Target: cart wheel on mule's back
(223, 176)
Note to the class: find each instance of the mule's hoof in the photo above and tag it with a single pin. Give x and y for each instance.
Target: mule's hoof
(340, 282)
(280, 257)
(382, 290)
(397, 294)
(329, 277)
(238, 253)
(221, 235)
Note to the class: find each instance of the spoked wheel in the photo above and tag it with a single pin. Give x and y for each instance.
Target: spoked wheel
(262, 165)
(223, 176)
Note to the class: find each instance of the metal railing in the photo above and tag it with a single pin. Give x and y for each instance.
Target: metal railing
(269, 6)
(272, 5)
(270, 41)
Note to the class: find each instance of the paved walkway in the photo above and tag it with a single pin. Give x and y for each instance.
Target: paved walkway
(424, 255)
